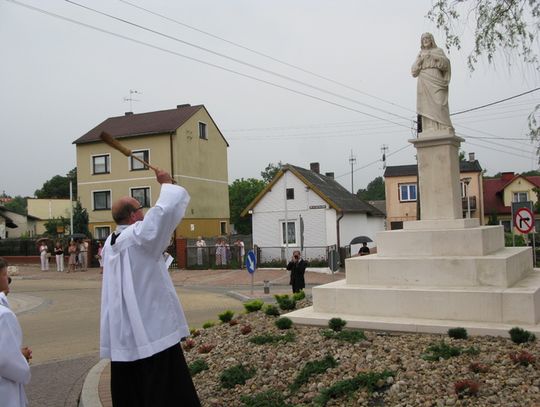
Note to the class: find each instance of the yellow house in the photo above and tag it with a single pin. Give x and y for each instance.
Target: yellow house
(402, 192)
(184, 141)
(46, 209)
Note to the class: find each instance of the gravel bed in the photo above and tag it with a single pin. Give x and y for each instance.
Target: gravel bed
(416, 382)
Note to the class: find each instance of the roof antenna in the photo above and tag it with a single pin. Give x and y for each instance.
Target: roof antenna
(130, 98)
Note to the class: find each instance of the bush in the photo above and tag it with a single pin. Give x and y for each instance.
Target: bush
(226, 316)
(197, 367)
(233, 322)
(235, 375)
(524, 358)
(208, 324)
(440, 351)
(477, 367)
(245, 329)
(519, 335)
(311, 369)
(458, 333)
(284, 323)
(351, 336)
(299, 295)
(285, 302)
(466, 387)
(253, 305)
(271, 310)
(206, 348)
(270, 398)
(336, 324)
(189, 344)
(194, 332)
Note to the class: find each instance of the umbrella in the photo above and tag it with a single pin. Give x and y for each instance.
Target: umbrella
(43, 239)
(360, 239)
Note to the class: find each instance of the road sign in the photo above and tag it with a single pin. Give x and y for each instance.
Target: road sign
(524, 220)
(251, 262)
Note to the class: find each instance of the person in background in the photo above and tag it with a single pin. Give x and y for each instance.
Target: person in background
(142, 320)
(297, 266)
(99, 257)
(59, 255)
(241, 252)
(201, 244)
(14, 359)
(43, 252)
(364, 250)
(83, 258)
(72, 261)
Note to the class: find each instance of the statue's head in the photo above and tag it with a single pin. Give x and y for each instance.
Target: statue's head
(427, 41)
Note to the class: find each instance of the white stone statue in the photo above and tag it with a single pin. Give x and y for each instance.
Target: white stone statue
(432, 68)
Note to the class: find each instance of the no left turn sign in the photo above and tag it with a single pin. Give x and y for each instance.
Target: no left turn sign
(524, 220)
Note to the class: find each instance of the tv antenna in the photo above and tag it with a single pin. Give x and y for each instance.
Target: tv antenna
(130, 98)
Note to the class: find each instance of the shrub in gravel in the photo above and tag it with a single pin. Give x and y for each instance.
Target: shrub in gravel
(458, 333)
(477, 367)
(194, 332)
(299, 295)
(208, 324)
(268, 338)
(310, 369)
(253, 305)
(336, 324)
(440, 350)
(284, 323)
(351, 336)
(524, 358)
(226, 316)
(472, 351)
(271, 310)
(197, 366)
(270, 398)
(285, 302)
(206, 348)
(245, 329)
(233, 322)
(520, 335)
(466, 387)
(235, 375)
(188, 344)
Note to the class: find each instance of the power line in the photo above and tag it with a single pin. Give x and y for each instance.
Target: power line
(494, 103)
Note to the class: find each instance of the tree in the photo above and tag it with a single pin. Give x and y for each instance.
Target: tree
(51, 226)
(270, 171)
(374, 190)
(80, 220)
(58, 186)
(241, 193)
(18, 204)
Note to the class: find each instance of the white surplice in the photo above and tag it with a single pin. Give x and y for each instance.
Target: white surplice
(14, 369)
(140, 311)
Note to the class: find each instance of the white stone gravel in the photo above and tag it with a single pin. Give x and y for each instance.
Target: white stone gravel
(416, 382)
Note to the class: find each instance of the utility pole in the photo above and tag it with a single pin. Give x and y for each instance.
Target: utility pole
(352, 161)
(384, 149)
(130, 98)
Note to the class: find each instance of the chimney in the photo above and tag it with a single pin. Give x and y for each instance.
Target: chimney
(507, 176)
(182, 106)
(314, 167)
(128, 113)
(471, 157)
(329, 174)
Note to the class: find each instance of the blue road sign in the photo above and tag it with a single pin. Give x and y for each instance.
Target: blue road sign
(251, 262)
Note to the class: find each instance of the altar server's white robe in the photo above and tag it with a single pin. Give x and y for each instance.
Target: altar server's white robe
(140, 311)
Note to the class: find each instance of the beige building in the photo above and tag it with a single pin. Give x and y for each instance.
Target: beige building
(184, 141)
(401, 189)
(45, 209)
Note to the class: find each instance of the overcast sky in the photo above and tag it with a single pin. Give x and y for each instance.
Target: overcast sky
(59, 79)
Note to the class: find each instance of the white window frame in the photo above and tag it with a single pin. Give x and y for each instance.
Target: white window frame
(132, 160)
(205, 127)
(94, 202)
(149, 194)
(408, 185)
(102, 227)
(282, 236)
(517, 194)
(107, 163)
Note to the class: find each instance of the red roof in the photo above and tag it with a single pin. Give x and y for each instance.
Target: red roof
(494, 192)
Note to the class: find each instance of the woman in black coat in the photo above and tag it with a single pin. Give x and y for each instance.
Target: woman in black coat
(297, 267)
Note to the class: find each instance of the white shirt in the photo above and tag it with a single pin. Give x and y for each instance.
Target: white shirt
(14, 369)
(140, 311)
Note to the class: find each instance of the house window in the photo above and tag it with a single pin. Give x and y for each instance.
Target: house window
(223, 227)
(290, 193)
(101, 232)
(202, 131)
(101, 164)
(142, 195)
(102, 200)
(407, 192)
(136, 165)
(521, 196)
(288, 233)
(396, 225)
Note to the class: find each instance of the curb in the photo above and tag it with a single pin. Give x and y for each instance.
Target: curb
(90, 392)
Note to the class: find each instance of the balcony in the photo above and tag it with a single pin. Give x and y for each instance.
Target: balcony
(472, 203)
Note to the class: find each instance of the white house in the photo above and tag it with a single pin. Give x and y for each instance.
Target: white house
(13, 224)
(303, 209)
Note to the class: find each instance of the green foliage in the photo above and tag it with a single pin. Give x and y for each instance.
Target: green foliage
(520, 335)
(241, 193)
(310, 369)
(226, 316)
(336, 324)
(458, 333)
(493, 220)
(270, 171)
(268, 338)
(208, 324)
(273, 263)
(253, 305)
(285, 302)
(374, 190)
(235, 375)
(345, 387)
(270, 398)
(351, 336)
(440, 350)
(197, 366)
(52, 224)
(271, 310)
(472, 351)
(517, 239)
(299, 295)
(18, 205)
(80, 220)
(523, 358)
(58, 186)
(284, 323)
